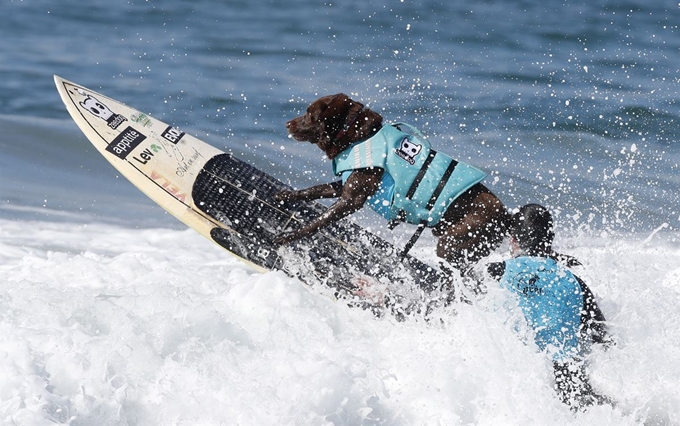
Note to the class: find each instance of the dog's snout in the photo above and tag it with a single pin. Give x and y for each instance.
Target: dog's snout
(290, 124)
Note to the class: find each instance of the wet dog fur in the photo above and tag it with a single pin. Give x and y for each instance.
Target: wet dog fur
(473, 225)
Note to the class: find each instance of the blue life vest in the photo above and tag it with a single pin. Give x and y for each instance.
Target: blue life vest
(418, 183)
(551, 300)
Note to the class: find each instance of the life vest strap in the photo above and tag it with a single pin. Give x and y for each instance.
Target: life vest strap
(442, 183)
(433, 199)
(401, 216)
(414, 238)
(421, 174)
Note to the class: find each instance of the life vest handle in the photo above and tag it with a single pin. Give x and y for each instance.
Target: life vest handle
(414, 131)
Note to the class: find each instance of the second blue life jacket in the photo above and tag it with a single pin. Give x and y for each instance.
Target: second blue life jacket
(551, 300)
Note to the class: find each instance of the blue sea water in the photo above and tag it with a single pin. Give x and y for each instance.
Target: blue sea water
(575, 105)
(569, 105)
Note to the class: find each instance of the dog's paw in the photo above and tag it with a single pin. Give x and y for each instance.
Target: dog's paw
(286, 195)
(284, 238)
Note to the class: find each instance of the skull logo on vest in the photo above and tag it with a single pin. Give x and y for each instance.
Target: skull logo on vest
(408, 150)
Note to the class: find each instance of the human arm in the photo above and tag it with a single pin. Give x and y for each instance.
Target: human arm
(592, 319)
(496, 270)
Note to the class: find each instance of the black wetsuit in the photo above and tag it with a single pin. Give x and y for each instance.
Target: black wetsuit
(571, 380)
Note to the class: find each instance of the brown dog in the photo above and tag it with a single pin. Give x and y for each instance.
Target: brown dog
(471, 227)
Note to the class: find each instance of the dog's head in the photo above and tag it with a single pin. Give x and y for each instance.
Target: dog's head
(334, 122)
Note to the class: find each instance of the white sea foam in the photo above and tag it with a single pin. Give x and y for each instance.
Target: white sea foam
(108, 325)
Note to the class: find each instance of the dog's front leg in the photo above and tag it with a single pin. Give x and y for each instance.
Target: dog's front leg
(337, 211)
(326, 190)
(360, 185)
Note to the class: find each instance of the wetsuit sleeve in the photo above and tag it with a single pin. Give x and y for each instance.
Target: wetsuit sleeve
(496, 270)
(565, 259)
(592, 319)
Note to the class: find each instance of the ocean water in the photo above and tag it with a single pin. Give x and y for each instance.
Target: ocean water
(112, 312)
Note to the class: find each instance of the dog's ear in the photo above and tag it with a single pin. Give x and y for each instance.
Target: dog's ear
(341, 112)
(333, 117)
(367, 125)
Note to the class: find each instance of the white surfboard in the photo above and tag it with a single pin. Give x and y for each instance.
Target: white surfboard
(159, 159)
(232, 203)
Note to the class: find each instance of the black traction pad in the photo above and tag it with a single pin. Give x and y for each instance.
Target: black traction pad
(241, 197)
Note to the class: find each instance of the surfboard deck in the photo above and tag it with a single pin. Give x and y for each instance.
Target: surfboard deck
(232, 203)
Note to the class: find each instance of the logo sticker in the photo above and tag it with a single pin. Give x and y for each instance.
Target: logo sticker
(170, 187)
(124, 143)
(98, 109)
(146, 155)
(142, 119)
(526, 284)
(408, 150)
(172, 134)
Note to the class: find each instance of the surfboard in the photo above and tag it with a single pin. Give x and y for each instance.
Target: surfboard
(232, 203)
